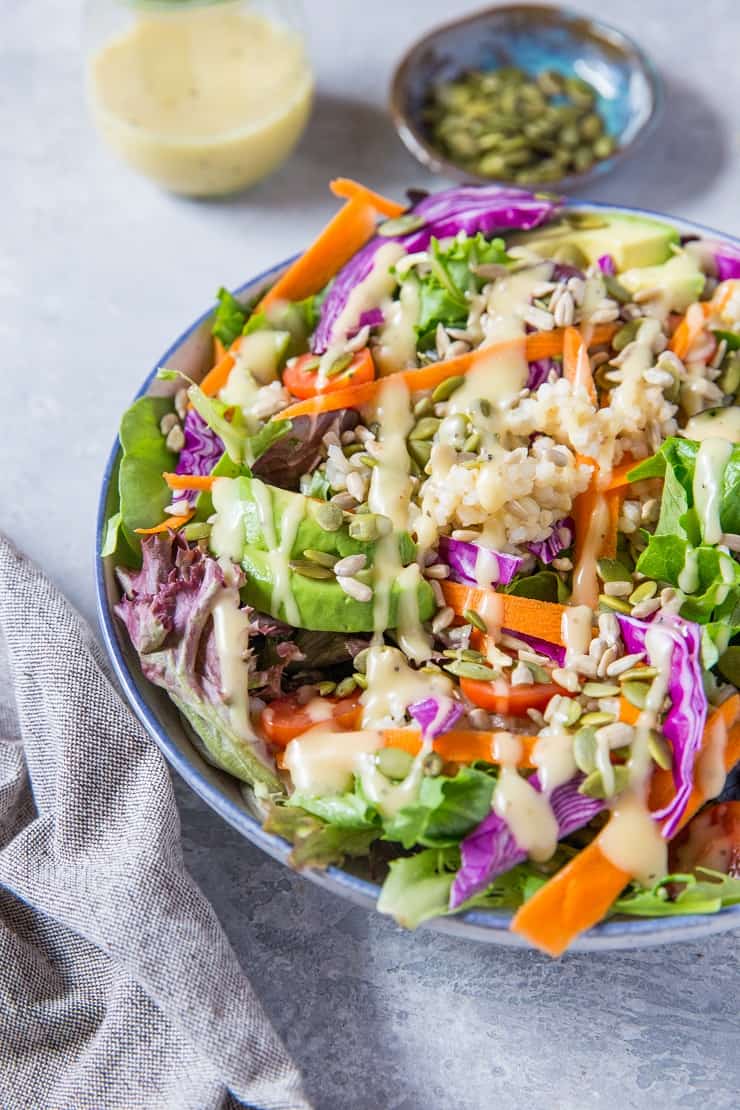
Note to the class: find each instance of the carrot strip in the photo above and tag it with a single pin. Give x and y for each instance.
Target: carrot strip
(348, 189)
(217, 378)
(171, 524)
(218, 350)
(581, 893)
(347, 231)
(520, 614)
(189, 481)
(662, 786)
(618, 476)
(576, 363)
(723, 293)
(458, 746)
(537, 346)
(689, 328)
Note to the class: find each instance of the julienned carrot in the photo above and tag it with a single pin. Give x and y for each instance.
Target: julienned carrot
(171, 524)
(519, 614)
(460, 745)
(662, 786)
(217, 378)
(689, 328)
(539, 345)
(348, 189)
(347, 231)
(189, 481)
(618, 477)
(581, 893)
(218, 350)
(723, 293)
(576, 363)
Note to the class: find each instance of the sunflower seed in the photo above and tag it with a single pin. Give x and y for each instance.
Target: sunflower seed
(566, 678)
(350, 565)
(175, 440)
(480, 719)
(538, 319)
(443, 618)
(626, 663)
(437, 570)
(645, 608)
(564, 312)
(616, 735)
(432, 764)
(356, 486)
(168, 422)
(354, 589)
(618, 589)
(522, 675)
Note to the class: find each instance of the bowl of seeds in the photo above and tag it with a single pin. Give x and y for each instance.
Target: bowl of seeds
(534, 95)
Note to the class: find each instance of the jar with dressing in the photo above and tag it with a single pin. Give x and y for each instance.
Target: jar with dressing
(203, 96)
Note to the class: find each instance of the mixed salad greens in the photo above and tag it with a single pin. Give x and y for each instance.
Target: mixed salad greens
(440, 557)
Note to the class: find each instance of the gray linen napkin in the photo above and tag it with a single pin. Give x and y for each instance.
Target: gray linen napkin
(118, 987)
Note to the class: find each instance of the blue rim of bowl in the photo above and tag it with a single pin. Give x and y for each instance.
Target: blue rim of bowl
(427, 155)
(483, 925)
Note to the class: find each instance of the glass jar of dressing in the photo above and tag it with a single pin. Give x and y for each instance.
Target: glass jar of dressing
(203, 96)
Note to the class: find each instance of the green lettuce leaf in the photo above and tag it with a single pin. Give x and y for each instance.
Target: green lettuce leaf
(706, 892)
(229, 317)
(543, 586)
(445, 811)
(316, 844)
(143, 493)
(418, 887)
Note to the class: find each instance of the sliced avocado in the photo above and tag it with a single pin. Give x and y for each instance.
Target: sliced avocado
(630, 240)
(721, 423)
(322, 604)
(240, 523)
(679, 280)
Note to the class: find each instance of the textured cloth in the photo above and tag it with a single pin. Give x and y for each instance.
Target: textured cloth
(118, 987)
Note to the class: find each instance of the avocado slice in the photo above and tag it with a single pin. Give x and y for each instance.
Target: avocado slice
(240, 523)
(631, 240)
(679, 280)
(322, 604)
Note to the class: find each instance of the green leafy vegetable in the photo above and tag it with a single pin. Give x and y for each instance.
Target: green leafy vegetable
(443, 293)
(706, 892)
(232, 431)
(229, 318)
(543, 586)
(446, 809)
(143, 493)
(315, 843)
(418, 887)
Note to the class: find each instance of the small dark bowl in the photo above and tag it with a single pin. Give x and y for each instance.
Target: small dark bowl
(534, 38)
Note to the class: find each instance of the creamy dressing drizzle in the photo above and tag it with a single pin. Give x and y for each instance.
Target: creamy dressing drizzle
(552, 755)
(396, 348)
(632, 840)
(575, 630)
(227, 531)
(392, 686)
(711, 463)
(710, 769)
(486, 568)
(526, 811)
(725, 425)
(688, 578)
(367, 294)
(585, 577)
(231, 630)
(279, 553)
(323, 761)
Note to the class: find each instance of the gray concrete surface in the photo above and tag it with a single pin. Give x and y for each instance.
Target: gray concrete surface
(98, 271)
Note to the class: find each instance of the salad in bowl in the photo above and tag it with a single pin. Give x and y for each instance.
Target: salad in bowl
(439, 556)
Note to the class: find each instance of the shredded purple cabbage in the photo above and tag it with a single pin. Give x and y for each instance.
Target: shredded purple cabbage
(726, 258)
(606, 264)
(435, 715)
(202, 449)
(462, 558)
(539, 371)
(370, 318)
(469, 208)
(684, 722)
(543, 647)
(491, 848)
(559, 539)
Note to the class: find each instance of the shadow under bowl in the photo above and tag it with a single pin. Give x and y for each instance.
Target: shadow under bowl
(533, 38)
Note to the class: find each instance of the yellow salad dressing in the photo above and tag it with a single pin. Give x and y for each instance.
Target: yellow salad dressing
(204, 100)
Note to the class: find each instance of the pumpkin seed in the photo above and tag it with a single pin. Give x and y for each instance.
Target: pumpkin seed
(600, 689)
(626, 334)
(445, 389)
(474, 618)
(326, 688)
(196, 531)
(462, 668)
(346, 686)
(484, 406)
(311, 570)
(593, 785)
(424, 407)
(360, 660)
(340, 364)
(729, 665)
(636, 693)
(424, 429)
(400, 225)
(394, 763)
(350, 449)
(604, 146)
(644, 592)
(472, 656)
(570, 255)
(729, 380)
(367, 460)
(638, 674)
(432, 764)
(596, 718)
(660, 750)
(420, 451)
(616, 290)
(591, 126)
(323, 558)
(585, 221)
(360, 681)
(328, 516)
(584, 750)
(364, 527)
(615, 603)
(611, 570)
